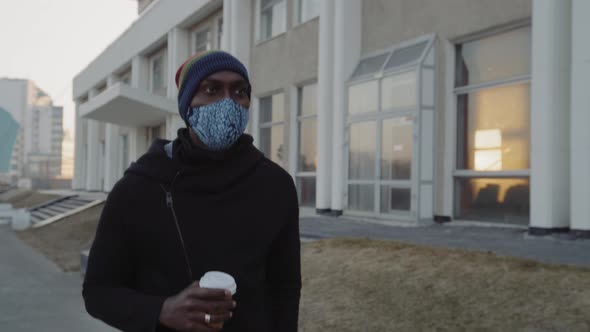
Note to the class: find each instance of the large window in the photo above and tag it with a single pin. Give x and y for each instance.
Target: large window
(273, 18)
(493, 122)
(272, 124)
(307, 145)
(158, 73)
(390, 109)
(307, 9)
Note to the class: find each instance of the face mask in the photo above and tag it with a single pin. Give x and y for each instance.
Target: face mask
(219, 125)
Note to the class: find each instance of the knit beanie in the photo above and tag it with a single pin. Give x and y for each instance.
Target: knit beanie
(199, 67)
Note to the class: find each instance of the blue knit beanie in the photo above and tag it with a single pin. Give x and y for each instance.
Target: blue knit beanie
(197, 68)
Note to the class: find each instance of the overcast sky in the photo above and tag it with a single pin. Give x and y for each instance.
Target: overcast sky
(50, 41)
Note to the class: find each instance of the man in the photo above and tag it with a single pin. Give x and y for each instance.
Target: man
(207, 201)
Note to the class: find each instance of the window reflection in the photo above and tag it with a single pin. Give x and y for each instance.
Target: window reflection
(396, 162)
(505, 200)
(307, 145)
(495, 125)
(399, 91)
(494, 58)
(362, 151)
(363, 97)
(361, 197)
(271, 144)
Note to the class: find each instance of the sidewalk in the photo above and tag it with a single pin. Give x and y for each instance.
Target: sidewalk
(512, 242)
(35, 295)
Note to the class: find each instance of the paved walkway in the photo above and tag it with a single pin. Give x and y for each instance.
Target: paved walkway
(35, 295)
(513, 242)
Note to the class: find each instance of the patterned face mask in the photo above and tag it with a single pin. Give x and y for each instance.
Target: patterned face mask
(219, 125)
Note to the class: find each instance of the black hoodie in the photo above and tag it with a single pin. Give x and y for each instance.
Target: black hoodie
(237, 212)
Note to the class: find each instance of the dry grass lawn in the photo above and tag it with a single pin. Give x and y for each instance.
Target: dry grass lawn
(362, 285)
(23, 198)
(63, 241)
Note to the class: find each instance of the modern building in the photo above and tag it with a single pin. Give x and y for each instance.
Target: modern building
(8, 132)
(391, 109)
(37, 153)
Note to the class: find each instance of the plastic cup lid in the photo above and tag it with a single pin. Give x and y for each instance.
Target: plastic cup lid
(218, 280)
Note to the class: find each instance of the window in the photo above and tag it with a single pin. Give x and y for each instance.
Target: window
(202, 40)
(158, 74)
(273, 18)
(307, 144)
(125, 77)
(307, 9)
(272, 116)
(390, 124)
(492, 87)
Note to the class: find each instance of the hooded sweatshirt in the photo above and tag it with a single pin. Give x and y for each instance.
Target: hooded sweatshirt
(171, 218)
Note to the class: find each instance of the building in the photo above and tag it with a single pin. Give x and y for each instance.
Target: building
(392, 109)
(36, 157)
(8, 133)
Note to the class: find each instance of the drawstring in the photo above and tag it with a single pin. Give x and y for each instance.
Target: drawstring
(170, 205)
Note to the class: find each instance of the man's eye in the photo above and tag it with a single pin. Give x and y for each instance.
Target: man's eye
(211, 90)
(242, 92)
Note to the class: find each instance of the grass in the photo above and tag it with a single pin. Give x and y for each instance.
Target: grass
(364, 285)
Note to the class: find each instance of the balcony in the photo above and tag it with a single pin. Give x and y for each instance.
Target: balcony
(126, 106)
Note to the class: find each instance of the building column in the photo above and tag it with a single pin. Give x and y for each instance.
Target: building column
(178, 52)
(111, 175)
(550, 104)
(79, 181)
(324, 106)
(238, 31)
(227, 23)
(580, 118)
(347, 52)
(111, 159)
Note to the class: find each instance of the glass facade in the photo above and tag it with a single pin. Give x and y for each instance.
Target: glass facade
(273, 18)
(493, 128)
(272, 115)
(388, 114)
(307, 144)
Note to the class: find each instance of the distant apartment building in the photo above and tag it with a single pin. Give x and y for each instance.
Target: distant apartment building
(469, 110)
(36, 157)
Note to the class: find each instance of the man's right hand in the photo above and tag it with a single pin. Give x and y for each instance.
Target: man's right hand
(186, 311)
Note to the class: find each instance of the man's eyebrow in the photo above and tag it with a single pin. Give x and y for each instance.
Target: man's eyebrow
(214, 81)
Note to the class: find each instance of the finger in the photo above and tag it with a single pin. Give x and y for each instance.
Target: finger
(200, 317)
(214, 307)
(207, 293)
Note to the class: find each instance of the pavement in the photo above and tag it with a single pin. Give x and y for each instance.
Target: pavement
(503, 241)
(35, 295)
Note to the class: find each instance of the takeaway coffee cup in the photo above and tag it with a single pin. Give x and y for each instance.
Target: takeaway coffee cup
(218, 280)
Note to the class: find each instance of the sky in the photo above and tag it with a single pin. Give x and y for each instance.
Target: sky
(50, 41)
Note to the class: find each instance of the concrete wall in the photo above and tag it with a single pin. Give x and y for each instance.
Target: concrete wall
(388, 22)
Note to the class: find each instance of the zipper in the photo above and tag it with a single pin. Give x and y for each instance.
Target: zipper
(170, 205)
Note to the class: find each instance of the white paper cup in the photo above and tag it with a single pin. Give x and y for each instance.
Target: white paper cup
(218, 280)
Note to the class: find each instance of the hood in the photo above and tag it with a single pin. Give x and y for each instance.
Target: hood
(196, 168)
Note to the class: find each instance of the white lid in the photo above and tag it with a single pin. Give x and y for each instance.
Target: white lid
(218, 280)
